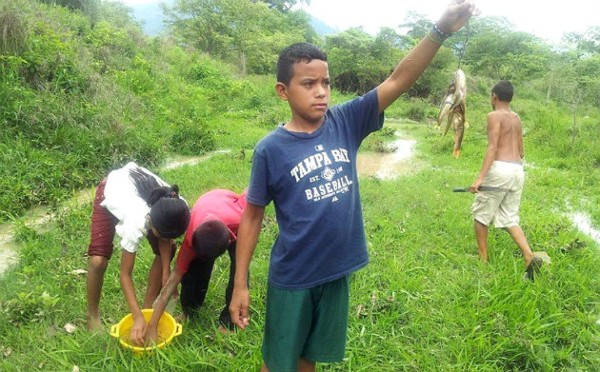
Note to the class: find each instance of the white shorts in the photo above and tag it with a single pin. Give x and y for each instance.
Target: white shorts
(500, 207)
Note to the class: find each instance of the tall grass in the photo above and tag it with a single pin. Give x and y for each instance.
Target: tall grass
(425, 302)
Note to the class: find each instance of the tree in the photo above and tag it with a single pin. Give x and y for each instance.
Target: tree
(495, 51)
(250, 34)
(283, 5)
(587, 42)
(352, 62)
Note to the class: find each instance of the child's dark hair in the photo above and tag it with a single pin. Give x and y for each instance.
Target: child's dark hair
(210, 239)
(300, 52)
(169, 214)
(503, 90)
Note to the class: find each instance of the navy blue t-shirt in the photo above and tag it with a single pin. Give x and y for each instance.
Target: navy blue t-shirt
(312, 181)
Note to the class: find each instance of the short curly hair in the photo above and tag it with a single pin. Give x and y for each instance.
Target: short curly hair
(210, 239)
(503, 90)
(299, 52)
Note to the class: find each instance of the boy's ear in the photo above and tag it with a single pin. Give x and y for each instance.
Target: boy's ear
(281, 90)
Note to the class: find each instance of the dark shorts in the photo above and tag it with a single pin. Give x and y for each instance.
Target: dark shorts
(308, 323)
(103, 229)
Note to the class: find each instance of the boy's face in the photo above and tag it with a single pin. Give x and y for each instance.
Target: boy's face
(308, 92)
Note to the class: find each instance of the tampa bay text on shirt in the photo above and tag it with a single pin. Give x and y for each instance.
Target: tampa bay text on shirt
(322, 161)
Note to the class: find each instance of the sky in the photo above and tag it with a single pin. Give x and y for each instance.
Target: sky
(546, 19)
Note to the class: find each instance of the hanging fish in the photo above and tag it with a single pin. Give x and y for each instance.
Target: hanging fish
(453, 110)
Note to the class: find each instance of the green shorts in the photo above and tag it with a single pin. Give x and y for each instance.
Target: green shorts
(306, 323)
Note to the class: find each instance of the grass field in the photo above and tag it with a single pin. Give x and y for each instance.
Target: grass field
(424, 303)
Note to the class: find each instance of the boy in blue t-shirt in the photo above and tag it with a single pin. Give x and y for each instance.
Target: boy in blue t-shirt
(307, 167)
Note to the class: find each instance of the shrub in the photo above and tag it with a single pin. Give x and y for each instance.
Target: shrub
(192, 139)
(14, 31)
(28, 307)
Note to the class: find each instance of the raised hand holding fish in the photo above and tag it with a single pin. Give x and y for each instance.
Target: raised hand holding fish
(453, 110)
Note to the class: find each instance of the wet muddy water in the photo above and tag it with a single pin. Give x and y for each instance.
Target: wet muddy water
(583, 222)
(388, 165)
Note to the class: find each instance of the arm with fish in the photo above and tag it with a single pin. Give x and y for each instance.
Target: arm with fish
(453, 110)
(412, 66)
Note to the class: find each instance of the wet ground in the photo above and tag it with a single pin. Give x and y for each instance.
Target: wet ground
(388, 165)
(395, 163)
(384, 166)
(583, 222)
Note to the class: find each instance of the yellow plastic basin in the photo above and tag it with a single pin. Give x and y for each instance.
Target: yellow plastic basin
(168, 328)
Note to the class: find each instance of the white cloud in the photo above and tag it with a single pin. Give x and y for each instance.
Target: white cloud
(546, 19)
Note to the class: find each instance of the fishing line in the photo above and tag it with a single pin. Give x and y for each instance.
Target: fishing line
(464, 48)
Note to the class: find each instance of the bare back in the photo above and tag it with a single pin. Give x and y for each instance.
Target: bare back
(506, 125)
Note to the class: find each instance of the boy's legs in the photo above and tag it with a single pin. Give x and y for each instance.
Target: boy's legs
(102, 232)
(305, 326)
(194, 286)
(508, 215)
(481, 234)
(487, 204)
(303, 366)
(517, 234)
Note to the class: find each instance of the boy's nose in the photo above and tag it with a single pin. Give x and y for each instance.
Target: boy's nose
(321, 91)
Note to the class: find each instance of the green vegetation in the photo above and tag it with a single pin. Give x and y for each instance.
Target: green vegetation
(82, 90)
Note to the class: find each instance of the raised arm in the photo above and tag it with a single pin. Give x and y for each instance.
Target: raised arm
(416, 61)
(246, 244)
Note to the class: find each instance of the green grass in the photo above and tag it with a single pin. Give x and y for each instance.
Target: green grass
(424, 302)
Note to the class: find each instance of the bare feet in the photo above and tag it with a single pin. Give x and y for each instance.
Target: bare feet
(223, 330)
(181, 318)
(94, 324)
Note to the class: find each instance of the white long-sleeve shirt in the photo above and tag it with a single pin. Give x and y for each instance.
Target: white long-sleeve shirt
(122, 200)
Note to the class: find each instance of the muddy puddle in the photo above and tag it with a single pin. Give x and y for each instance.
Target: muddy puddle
(389, 165)
(39, 218)
(8, 252)
(583, 222)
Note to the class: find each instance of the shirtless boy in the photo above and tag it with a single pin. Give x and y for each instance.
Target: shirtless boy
(502, 168)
